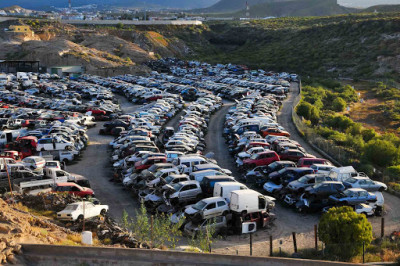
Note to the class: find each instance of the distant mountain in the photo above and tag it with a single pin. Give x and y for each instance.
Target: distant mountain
(45, 4)
(295, 8)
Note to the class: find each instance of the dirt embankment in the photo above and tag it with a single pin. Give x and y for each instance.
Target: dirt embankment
(101, 51)
(18, 226)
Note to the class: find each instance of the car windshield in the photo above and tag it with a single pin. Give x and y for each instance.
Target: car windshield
(303, 179)
(199, 205)
(273, 165)
(351, 180)
(254, 156)
(282, 171)
(71, 207)
(152, 168)
(348, 193)
(168, 179)
(158, 174)
(177, 186)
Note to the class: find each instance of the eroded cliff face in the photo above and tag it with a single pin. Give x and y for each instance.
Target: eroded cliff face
(101, 51)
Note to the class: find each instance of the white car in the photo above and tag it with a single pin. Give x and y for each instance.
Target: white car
(81, 210)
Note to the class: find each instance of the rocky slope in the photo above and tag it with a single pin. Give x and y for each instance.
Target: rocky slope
(102, 51)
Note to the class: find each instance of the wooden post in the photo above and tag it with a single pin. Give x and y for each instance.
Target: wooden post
(294, 242)
(270, 246)
(383, 227)
(363, 252)
(316, 236)
(8, 176)
(251, 244)
(151, 230)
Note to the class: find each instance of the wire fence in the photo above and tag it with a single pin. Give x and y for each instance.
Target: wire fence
(308, 246)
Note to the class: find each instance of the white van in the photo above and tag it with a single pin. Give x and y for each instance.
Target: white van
(341, 174)
(199, 175)
(249, 201)
(186, 163)
(224, 189)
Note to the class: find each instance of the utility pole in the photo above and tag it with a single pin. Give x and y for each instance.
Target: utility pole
(247, 9)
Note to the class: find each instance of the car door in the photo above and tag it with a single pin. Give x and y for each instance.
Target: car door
(209, 210)
(324, 190)
(221, 206)
(370, 185)
(48, 145)
(184, 193)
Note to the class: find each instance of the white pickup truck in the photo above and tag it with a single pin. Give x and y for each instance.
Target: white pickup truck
(81, 210)
(50, 178)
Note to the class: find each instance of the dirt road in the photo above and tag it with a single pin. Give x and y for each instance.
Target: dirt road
(95, 165)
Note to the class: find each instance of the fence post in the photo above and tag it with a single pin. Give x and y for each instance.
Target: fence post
(251, 244)
(151, 229)
(363, 252)
(294, 242)
(316, 236)
(270, 246)
(382, 227)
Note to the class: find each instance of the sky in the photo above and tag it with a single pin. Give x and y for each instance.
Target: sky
(367, 3)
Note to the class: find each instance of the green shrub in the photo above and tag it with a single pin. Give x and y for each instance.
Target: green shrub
(339, 105)
(338, 137)
(368, 134)
(344, 231)
(340, 122)
(367, 168)
(308, 111)
(381, 152)
(393, 172)
(394, 186)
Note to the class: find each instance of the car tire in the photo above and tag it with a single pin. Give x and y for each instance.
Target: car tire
(381, 189)
(103, 212)
(79, 219)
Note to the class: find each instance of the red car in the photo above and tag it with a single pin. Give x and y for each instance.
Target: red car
(73, 188)
(260, 159)
(96, 111)
(294, 155)
(146, 163)
(274, 131)
(307, 162)
(256, 144)
(11, 154)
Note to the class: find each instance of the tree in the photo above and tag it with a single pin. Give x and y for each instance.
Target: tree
(344, 231)
(120, 26)
(381, 152)
(339, 105)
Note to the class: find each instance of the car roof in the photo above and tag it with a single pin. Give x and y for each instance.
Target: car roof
(189, 182)
(66, 184)
(322, 165)
(331, 182)
(356, 189)
(212, 199)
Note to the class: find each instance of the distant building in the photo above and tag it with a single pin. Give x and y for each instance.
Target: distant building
(21, 29)
(67, 71)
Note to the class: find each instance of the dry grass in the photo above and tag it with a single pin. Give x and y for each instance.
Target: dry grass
(157, 38)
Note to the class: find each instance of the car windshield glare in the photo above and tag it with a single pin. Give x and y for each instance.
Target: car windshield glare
(351, 180)
(282, 171)
(177, 186)
(303, 179)
(199, 205)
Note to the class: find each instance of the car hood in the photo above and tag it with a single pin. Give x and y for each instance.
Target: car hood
(191, 210)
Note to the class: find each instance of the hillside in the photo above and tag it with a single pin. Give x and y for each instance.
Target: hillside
(356, 45)
(295, 8)
(383, 8)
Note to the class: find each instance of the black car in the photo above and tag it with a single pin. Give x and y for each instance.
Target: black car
(278, 165)
(312, 205)
(324, 190)
(289, 174)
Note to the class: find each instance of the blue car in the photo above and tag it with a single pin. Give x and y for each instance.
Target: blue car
(353, 196)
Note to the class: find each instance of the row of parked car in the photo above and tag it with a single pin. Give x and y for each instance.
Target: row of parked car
(168, 171)
(268, 158)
